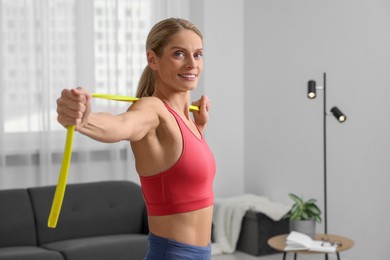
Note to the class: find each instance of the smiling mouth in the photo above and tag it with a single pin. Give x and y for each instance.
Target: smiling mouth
(188, 76)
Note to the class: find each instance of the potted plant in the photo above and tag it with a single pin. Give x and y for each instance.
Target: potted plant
(304, 215)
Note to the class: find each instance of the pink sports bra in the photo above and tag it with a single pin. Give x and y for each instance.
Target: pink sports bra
(188, 184)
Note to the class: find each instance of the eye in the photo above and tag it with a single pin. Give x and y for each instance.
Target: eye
(198, 55)
(179, 54)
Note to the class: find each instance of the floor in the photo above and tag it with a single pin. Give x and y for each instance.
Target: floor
(242, 256)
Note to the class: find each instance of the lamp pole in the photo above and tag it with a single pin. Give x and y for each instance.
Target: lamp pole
(325, 173)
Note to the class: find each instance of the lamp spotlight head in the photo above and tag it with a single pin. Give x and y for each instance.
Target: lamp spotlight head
(311, 89)
(338, 115)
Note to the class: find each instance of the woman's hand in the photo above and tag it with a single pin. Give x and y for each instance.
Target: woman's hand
(201, 117)
(73, 107)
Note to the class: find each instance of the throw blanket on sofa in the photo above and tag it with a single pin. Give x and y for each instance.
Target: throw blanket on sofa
(228, 215)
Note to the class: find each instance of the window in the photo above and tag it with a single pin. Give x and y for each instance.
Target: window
(54, 44)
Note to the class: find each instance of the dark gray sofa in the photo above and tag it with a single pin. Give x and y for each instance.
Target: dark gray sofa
(98, 221)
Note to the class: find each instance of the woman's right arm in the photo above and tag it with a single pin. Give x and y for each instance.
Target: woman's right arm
(74, 108)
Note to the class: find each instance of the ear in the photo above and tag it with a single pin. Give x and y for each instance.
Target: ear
(152, 59)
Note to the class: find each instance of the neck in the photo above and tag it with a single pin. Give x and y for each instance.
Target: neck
(180, 102)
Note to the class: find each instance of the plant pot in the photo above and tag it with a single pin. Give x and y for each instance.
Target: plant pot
(307, 227)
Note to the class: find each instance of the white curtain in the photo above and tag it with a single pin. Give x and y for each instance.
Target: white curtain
(48, 45)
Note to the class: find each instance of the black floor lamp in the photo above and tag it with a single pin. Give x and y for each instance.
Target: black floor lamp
(312, 93)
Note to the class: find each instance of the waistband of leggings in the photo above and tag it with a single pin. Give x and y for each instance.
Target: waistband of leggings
(156, 238)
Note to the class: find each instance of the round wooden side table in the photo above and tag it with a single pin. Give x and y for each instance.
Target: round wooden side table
(279, 243)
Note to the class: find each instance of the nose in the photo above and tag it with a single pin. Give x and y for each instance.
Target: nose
(191, 62)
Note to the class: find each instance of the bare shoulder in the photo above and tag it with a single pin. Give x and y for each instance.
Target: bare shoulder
(148, 103)
(151, 107)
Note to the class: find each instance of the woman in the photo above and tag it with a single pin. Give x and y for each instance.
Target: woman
(175, 165)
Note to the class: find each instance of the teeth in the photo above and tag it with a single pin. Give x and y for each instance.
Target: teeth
(188, 76)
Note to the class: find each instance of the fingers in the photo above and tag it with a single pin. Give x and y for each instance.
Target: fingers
(72, 106)
(202, 116)
(203, 103)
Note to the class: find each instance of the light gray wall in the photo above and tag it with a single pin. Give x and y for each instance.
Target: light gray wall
(288, 43)
(223, 83)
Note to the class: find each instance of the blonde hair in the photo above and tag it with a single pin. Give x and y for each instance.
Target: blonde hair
(158, 37)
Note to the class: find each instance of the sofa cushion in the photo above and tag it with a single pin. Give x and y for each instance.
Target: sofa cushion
(90, 209)
(17, 226)
(118, 247)
(28, 253)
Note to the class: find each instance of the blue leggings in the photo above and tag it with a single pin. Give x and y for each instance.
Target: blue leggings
(166, 249)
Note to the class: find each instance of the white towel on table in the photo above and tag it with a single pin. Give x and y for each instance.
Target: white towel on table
(228, 215)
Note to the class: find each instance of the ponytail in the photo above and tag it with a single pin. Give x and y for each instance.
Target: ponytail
(146, 83)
